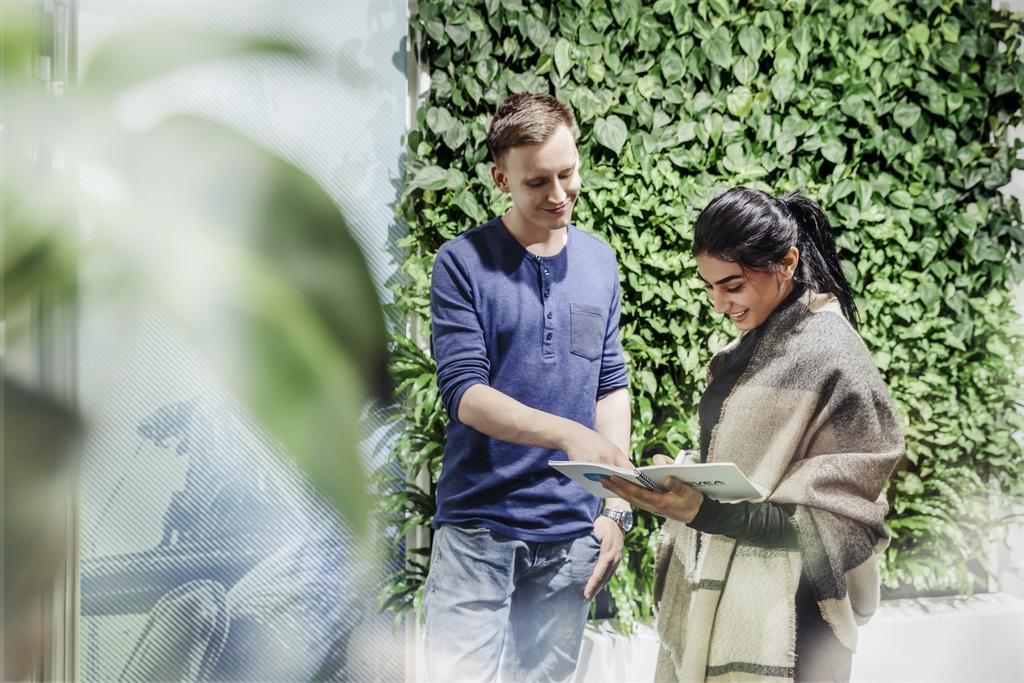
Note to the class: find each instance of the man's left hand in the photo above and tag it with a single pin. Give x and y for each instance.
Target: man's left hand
(612, 538)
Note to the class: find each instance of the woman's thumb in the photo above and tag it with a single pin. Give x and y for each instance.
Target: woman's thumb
(660, 459)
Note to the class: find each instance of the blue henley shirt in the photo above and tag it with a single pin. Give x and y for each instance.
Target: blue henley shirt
(543, 330)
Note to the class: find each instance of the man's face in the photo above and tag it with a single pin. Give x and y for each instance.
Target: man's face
(543, 180)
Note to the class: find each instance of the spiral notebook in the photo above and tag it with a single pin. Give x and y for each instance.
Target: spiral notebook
(719, 480)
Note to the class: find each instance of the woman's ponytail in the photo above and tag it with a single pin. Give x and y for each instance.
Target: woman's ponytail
(819, 268)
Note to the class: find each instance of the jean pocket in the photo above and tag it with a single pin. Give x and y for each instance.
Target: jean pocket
(450, 539)
(583, 554)
(586, 330)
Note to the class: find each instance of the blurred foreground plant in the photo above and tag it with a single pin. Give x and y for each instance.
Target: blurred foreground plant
(243, 250)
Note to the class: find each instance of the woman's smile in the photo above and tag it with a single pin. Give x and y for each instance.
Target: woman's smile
(738, 316)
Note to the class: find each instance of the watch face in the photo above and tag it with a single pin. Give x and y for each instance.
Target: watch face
(627, 520)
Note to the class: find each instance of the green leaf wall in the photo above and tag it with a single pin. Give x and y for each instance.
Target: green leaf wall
(894, 116)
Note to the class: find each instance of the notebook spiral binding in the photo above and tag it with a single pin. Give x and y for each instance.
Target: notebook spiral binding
(651, 486)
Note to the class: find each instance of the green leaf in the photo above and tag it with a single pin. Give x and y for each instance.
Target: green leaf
(439, 120)
(459, 34)
(785, 143)
(664, 6)
(843, 188)
(902, 199)
(701, 101)
(912, 485)
(487, 70)
(456, 135)
(430, 178)
(563, 60)
(590, 36)
(906, 115)
(720, 7)
(537, 31)
(626, 11)
(611, 132)
(455, 179)
(527, 82)
(647, 86)
(745, 70)
(919, 34)
(144, 53)
(740, 101)
(950, 29)
(672, 67)
(752, 41)
(802, 39)
(878, 7)
(435, 29)
(785, 60)
(834, 151)
(854, 107)
(783, 86)
(687, 131)
(466, 201)
(718, 47)
(649, 382)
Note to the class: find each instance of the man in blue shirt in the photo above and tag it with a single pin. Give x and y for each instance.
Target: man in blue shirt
(525, 332)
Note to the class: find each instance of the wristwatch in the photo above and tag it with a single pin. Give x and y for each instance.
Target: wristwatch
(623, 518)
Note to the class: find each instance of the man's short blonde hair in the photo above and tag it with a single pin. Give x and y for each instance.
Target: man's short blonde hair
(525, 119)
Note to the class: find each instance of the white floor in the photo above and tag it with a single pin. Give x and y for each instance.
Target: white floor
(977, 640)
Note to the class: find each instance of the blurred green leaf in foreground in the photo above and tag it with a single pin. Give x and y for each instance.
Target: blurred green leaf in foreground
(243, 250)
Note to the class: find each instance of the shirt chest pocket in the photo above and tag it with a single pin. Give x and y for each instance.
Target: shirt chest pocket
(586, 330)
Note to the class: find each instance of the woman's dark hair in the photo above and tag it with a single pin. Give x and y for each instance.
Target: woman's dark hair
(755, 230)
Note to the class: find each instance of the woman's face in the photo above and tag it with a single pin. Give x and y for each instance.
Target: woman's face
(747, 297)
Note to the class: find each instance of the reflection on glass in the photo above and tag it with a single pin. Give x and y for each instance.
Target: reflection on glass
(232, 570)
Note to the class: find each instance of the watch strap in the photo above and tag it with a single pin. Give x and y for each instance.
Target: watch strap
(620, 517)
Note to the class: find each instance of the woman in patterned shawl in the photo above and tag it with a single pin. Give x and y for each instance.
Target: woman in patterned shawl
(775, 589)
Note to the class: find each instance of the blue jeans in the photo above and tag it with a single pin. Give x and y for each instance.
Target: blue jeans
(493, 601)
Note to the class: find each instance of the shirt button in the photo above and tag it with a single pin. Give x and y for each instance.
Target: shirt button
(547, 272)
(549, 336)
(547, 292)
(549, 315)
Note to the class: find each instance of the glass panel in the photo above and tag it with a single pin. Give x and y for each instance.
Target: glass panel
(205, 555)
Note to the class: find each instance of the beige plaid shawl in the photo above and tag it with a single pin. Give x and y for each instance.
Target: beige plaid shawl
(811, 422)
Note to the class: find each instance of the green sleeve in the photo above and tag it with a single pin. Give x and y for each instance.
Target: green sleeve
(768, 525)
